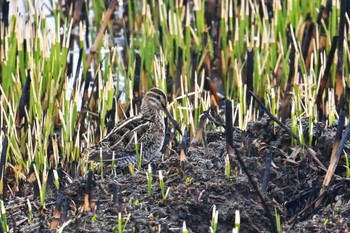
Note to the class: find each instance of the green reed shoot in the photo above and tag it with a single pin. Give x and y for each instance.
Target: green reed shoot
(4, 223)
(131, 168)
(149, 177)
(214, 220)
(237, 220)
(184, 228)
(102, 164)
(121, 226)
(294, 127)
(138, 152)
(113, 163)
(120, 223)
(30, 211)
(56, 179)
(162, 186)
(347, 166)
(227, 166)
(278, 221)
(42, 182)
(301, 134)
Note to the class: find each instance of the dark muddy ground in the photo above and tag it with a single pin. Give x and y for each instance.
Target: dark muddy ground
(194, 188)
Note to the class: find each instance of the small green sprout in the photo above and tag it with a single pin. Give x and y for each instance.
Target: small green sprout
(30, 211)
(101, 161)
(149, 180)
(227, 166)
(113, 163)
(278, 221)
(120, 223)
(188, 180)
(311, 127)
(162, 186)
(301, 135)
(347, 166)
(4, 225)
(121, 227)
(56, 181)
(184, 228)
(131, 169)
(237, 222)
(214, 220)
(326, 222)
(138, 152)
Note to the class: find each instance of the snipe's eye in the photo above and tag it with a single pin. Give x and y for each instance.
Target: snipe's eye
(158, 97)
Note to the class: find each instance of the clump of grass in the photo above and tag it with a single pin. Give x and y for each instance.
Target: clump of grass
(36, 101)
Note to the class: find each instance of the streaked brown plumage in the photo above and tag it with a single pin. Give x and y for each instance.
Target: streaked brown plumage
(147, 128)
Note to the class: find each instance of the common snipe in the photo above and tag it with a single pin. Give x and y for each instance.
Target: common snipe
(147, 128)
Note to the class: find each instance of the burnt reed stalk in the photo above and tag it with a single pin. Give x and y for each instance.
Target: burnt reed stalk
(229, 140)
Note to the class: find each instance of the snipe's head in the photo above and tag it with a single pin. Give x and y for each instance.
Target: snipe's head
(155, 99)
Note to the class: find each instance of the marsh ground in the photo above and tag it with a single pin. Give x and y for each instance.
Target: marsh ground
(198, 184)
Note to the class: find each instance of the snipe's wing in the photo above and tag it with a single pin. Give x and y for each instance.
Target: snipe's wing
(121, 140)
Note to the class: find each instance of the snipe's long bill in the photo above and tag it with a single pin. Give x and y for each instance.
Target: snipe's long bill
(147, 128)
